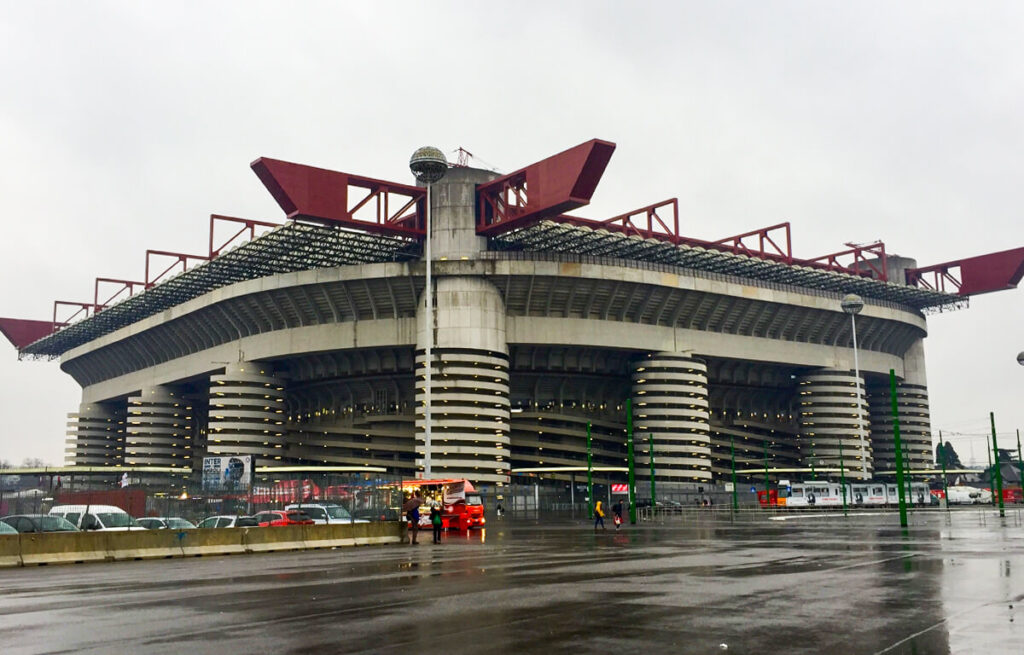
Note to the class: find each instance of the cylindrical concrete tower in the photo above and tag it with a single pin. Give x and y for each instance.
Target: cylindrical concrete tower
(159, 428)
(247, 405)
(915, 426)
(96, 435)
(831, 413)
(469, 385)
(670, 399)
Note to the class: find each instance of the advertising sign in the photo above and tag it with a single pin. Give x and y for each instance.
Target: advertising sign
(228, 473)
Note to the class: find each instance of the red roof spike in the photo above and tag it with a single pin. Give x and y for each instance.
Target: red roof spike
(21, 332)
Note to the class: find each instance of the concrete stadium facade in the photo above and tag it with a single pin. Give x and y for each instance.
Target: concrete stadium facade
(327, 366)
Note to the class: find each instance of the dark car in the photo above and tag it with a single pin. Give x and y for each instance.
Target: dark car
(39, 523)
(283, 517)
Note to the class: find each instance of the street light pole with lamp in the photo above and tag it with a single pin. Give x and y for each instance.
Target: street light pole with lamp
(852, 304)
(428, 165)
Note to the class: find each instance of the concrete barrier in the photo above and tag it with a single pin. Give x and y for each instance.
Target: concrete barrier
(10, 550)
(213, 541)
(273, 538)
(329, 536)
(145, 544)
(64, 548)
(71, 547)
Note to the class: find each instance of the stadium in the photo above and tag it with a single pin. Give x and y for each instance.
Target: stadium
(549, 335)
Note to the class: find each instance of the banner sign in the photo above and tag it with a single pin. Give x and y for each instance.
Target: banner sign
(230, 473)
(620, 488)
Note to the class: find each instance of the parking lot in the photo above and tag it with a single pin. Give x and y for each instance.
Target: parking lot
(702, 583)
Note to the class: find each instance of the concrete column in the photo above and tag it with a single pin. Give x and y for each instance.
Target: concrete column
(830, 413)
(453, 214)
(247, 412)
(470, 405)
(96, 435)
(915, 426)
(159, 428)
(670, 400)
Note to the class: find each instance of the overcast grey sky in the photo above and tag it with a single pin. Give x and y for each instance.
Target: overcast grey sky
(123, 125)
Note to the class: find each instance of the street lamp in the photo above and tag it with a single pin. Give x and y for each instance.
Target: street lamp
(852, 304)
(428, 165)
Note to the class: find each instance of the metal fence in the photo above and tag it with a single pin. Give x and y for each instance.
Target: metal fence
(371, 497)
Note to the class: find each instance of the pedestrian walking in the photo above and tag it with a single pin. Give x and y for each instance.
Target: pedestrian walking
(617, 511)
(598, 516)
(435, 522)
(412, 514)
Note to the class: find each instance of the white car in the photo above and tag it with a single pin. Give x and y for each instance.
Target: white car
(326, 513)
(228, 521)
(165, 523)
(107, 518)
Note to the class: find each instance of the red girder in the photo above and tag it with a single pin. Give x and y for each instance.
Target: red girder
(738, 246)
(179, 258)
(123, 285)
(81, 307)
(873, 268)
(247, 224)
(546, 189)
(318, 194)
(995, 271)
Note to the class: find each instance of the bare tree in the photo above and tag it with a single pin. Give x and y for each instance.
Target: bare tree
(33, 462)
(5, 464)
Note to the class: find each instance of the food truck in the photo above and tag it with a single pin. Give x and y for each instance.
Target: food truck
(462, 508)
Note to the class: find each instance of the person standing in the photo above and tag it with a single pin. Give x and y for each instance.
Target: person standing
(435, 522)
(598, 516)
(617, 510)
(412, 513)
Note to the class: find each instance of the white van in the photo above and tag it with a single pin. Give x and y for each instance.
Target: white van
(325, 513)
(96, 517)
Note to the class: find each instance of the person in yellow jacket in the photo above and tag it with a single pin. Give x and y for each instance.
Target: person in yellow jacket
(598, 516)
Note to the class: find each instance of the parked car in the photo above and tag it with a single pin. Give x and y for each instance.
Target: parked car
(382, 514)
(6, 529)
(37, 523)
(226, 521)
(325, 513)
(96, 517)
(165, 523)
(276, 517)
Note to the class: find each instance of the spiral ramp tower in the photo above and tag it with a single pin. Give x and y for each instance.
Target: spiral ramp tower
(915, 426)
(670, 395)
(833, 415)
(247, 412)
(159, 428)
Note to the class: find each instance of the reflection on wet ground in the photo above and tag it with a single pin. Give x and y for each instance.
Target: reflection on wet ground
(698, 584)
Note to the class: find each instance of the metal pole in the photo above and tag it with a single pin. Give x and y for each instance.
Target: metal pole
(590, 477)
(429, 349)
(860, 416)
(767, 491)
(906, 474)
(632, 471)
(650, 454)
(945, 485)
(842, 475)
(735, 496)
(991, 479)
(999, 473)
(1020, 465)
(814, 473)
(899, 449)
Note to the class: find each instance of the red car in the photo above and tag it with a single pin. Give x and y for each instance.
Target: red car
(283, 517)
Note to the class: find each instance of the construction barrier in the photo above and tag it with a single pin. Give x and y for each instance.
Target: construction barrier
(10, 550)
(64, 548)
(72, 547)
(146, 544)
(274, 538)
(212, 541)
(329, 536)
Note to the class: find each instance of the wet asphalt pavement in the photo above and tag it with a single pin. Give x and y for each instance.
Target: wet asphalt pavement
(698, 584)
